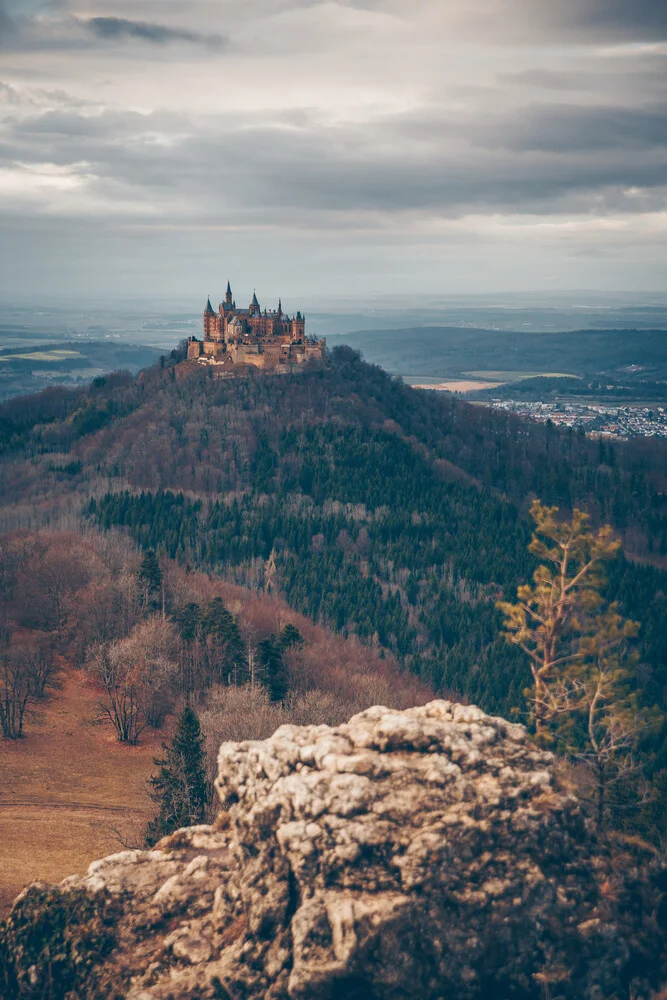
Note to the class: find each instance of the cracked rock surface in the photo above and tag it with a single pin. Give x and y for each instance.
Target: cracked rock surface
(428, 853)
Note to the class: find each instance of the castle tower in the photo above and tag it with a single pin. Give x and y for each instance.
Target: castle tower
(299, 327)
(254, 309)
(210, 319)
(228, 295)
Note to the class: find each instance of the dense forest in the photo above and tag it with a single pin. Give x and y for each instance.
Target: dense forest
(385, 513)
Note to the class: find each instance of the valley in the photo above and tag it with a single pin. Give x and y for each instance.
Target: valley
(383, 522)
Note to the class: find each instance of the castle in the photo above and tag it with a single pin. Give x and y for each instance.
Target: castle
(267, 339)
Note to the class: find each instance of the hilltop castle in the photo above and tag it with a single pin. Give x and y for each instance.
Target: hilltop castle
(266, 339)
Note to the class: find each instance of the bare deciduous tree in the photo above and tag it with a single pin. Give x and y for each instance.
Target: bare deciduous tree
(17, 690)
(45, 667)
(123, 704)
(48, 583)
(137, 674)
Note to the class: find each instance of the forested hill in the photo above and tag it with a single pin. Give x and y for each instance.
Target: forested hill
(443, 351)
(396, 514)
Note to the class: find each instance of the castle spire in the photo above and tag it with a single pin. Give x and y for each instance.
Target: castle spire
(228, 294)
(210, 311)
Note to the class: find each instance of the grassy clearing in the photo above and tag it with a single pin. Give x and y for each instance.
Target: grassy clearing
(55, 355)
(457, 385)
(65, 787)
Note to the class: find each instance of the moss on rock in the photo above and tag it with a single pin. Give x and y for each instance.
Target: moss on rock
(52, 942)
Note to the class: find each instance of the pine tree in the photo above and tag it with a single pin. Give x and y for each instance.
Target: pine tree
(290, 636)
(555, 614)
(179, 788)
(223, 637)
(273, 667)
(150, 578)
(188, 620)
(584, 699)
(602, 700)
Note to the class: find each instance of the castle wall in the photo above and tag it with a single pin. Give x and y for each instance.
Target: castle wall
(213, 348)
(194, 349)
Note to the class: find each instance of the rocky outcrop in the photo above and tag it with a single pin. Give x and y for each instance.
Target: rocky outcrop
(423, 854)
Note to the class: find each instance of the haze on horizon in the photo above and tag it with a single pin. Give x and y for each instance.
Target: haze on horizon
(356, 148)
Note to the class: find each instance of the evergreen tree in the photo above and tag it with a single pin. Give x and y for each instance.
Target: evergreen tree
(584, 695)
(290, 636)
(605, 720)
(223, 637)
(150, 578)
(264, 466)
(555, 615)
(188, 620)
(179, 788)
(273, 667)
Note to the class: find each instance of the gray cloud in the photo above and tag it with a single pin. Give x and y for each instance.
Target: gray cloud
(330, 121)
(545, 79)
(241, 169)
(121, 28)
(7, 25)
(567, 129)
(641, 19)
(25, 31)
(577, 22)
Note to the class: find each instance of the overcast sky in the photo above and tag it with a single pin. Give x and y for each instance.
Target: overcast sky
(352, 148)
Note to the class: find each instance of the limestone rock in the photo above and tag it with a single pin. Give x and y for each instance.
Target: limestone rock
(424, 854)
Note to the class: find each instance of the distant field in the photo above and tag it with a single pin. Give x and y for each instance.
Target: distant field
(42, 356)
(69, 363)
(517, 376)
(456, 385)
(65, 787)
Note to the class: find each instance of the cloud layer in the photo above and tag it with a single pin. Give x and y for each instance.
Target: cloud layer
(120, 28)
(377, 138)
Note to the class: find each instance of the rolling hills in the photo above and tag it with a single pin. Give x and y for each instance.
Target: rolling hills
(391, 516)
(449, 351)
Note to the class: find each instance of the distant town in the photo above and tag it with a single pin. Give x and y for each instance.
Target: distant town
(595, 419)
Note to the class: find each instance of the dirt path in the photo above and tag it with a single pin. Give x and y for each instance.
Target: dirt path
(69, 791)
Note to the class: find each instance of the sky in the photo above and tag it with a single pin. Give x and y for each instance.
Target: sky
(360, 148)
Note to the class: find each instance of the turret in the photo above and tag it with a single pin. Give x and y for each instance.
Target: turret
(210, 320)
(298, 327)
(228, 295)
(254, 305)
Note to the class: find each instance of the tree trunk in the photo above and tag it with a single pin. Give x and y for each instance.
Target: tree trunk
(602, 794)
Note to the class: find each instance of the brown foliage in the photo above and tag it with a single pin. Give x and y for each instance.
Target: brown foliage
(84, 586)
(138, 675)
(353, 673)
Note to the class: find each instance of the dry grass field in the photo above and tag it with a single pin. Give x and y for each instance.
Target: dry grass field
(65, 787)
(459, 385)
